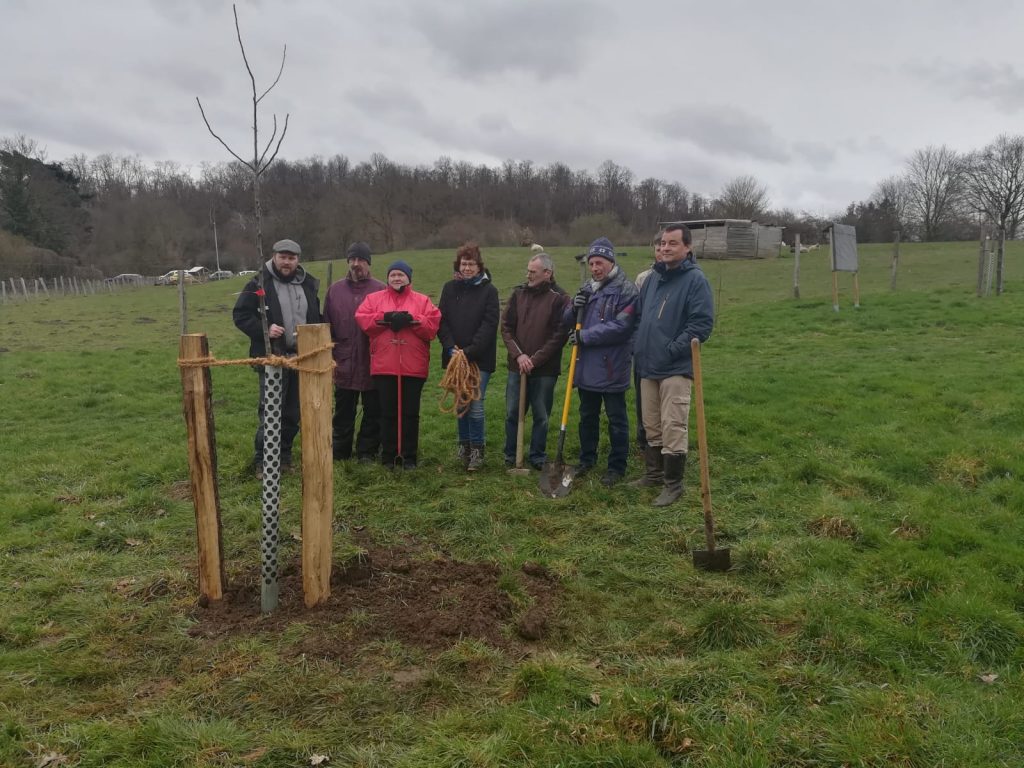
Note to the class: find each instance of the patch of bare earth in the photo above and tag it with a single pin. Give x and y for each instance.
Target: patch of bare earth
(404, 593)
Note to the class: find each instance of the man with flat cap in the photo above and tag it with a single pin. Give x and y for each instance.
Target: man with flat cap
(290, 300)
(352, 381)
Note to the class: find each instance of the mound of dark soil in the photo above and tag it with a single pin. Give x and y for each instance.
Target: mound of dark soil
(403, 593)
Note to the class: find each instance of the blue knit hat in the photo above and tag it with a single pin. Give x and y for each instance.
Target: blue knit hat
(602, 247)
(402, 267)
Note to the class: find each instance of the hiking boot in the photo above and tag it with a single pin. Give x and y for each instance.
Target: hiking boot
(581, 469)
(610, 478)
(674, 466)
(653, 475)
(476, 458)
(462, 453)
(255, 468)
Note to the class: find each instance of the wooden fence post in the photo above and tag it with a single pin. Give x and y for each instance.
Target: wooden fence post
(796, 266)
(316, 401)
(182, 306)
(895, 259)
(197, 406)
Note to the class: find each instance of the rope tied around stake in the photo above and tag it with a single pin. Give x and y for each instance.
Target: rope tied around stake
(279, 361)
(461, 380)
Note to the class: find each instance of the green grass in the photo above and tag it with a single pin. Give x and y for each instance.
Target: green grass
(866, 474)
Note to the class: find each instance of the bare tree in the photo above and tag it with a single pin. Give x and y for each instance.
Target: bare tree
(891, 195)
(934, 180)
(994, 180)
(260, 162)
(743, 198)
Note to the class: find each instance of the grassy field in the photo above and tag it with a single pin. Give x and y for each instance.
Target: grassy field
(866, 473)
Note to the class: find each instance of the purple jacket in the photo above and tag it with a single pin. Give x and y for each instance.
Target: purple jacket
(351, 345)
(605, 360)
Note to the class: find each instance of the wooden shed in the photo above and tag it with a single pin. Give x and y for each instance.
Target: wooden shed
(733, 239)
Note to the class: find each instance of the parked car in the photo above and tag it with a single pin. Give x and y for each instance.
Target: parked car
(126, 278)
(171, 278)
(247, 272)
(221, 274)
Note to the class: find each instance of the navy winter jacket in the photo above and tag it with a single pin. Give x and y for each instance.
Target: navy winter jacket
(675, 306)
(608, 320)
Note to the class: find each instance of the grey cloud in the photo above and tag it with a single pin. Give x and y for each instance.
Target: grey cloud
(390, 101)
(996, 83)
(543, 39)
(724, 130)
(814, 152)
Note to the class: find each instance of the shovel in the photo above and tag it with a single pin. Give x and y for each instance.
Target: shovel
(555, 479)
(519, 469)
(709, 559)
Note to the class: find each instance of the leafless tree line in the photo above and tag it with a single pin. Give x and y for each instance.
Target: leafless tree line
(113, 213)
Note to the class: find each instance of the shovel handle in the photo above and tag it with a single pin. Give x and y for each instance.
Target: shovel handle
(522, 421)
(702, 443)
(572, 375)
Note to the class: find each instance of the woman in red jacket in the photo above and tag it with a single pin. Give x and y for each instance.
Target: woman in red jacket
(400, 323)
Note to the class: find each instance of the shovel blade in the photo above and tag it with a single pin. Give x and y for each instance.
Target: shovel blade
(717, 560)
(555, 480)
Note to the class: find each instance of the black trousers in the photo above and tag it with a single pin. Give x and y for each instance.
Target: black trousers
(345, 403)
(387, 388)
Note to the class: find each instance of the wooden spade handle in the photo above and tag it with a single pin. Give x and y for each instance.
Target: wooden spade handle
(702, 444)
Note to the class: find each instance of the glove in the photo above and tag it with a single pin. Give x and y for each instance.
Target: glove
(400, 320)
(579, 301)
(576, 337)
(388, 316)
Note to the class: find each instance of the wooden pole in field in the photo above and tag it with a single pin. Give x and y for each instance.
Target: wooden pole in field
(895, 259)
(856, 290)
(981, 261)
(796, 266)
(835, 275)
(999, 261)
(24, 288)
(330, 274)
(197, 405)
(46, 290)
(181, 302)
(316, 399)
(3, 291)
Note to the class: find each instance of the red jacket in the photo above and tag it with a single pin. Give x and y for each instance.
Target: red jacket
(406, 353)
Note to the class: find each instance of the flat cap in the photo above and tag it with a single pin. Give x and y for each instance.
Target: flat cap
(287, 246)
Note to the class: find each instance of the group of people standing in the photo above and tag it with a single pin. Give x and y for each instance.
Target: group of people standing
(382, 333)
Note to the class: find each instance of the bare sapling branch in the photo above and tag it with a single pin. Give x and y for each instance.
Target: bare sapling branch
(218, 138)
(284, 55)
(277, 148)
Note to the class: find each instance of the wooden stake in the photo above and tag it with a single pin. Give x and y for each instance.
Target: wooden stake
(835, 291)
(895, 259)
(796, 266)
(197, 405)
(856, 290)
(999, 261)
(182, 306)
(315, 402)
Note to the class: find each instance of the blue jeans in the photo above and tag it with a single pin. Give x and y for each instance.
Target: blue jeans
(471, 426)
(590, 428)
(540, 394)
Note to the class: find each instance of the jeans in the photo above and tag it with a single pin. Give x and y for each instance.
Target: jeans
(471, 426)
(540, 395)
(590, 428)
(289, 413)
(344, 424)
(412, 389)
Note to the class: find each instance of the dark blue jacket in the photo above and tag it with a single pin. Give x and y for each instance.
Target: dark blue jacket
(604, 360)
(675, 306)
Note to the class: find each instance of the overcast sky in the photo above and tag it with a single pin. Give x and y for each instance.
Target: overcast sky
(818, 100)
